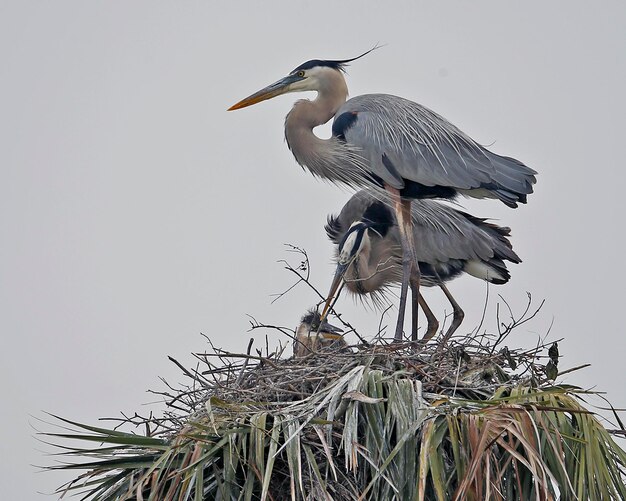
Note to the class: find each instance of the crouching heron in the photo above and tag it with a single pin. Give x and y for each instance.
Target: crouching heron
(385, 141)
(449, 243)
(314, 334)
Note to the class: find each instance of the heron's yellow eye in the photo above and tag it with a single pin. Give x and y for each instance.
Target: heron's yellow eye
(301, 73)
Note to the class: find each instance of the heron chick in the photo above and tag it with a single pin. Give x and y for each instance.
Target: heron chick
(313, 335)
(450, 243)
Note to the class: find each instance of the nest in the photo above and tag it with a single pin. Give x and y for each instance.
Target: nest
(318, 400)
(470, 419)
(465, 368)
(471, 367)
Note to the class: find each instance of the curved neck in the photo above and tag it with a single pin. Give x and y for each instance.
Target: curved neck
(362, 268)
(305, 115)
(378, 265)
(332, 92)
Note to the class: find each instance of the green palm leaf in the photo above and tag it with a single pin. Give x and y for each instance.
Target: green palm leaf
(375, 423)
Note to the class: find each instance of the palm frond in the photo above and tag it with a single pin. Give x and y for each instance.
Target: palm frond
(380, 422)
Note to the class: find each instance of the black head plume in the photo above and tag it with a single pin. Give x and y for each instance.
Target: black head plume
(339, 65)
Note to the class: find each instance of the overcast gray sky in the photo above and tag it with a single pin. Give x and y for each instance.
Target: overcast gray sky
(135, 212)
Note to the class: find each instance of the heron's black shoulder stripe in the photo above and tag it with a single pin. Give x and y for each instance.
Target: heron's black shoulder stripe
(313, 63)
(392, 169)
(333, 228)
(416, 190)
(441, 272)
(379, 217)
(342, 123)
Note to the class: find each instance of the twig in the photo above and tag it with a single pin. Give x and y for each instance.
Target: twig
(567, 371)
(245, 363)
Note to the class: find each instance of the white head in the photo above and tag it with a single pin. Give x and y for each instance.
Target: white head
(314, 75)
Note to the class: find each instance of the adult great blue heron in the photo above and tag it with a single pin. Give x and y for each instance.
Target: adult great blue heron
(450, 242)
(385, 141)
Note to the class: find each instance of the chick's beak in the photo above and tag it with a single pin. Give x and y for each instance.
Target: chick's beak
(329, 331)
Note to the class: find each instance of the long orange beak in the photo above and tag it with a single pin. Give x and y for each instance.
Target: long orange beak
(334, 286)
(273, 90)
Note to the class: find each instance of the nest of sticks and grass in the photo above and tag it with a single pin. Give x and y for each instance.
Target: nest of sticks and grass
(466, 419)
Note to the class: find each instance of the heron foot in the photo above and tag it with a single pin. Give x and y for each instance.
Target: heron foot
(459, 315)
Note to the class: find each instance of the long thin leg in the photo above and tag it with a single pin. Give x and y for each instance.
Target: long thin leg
(414, 273)
(409, 262)
(417, 298)
(433, 323)
(401, 306)
(457, 317)
(406, 272)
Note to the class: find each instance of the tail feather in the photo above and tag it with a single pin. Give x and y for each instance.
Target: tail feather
(493, 271)
(513, 181)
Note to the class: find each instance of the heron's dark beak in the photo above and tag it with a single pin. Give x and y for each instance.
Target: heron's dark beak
(325, 327)
(337, 281)
(276, 89)
(329, 331)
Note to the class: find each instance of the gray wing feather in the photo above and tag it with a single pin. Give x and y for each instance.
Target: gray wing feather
(425, 148)
(443, 233)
